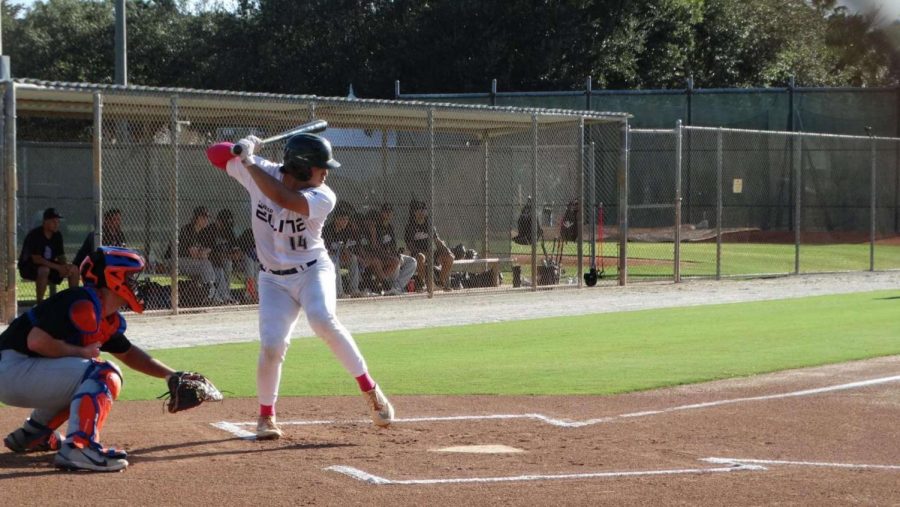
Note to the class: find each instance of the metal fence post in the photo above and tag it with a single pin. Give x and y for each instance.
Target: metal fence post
(588, 94)
(790, 91)
(622, 179)
(487, 212)
(872, 203)
(97, 147)
(5, 286)
(581, 201)
(534, 203)
(384, 161)
(679, 158)
(896, 186)
(592, 170)
(10, 307)
(174, 266)
(798, 193)
(431, 169)
(719, 203)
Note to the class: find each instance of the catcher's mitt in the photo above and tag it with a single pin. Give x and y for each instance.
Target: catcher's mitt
(188, 389)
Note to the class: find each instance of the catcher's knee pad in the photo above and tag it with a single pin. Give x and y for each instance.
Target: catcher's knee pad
(93, 401)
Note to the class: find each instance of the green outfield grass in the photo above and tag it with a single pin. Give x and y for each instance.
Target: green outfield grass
(593, 354)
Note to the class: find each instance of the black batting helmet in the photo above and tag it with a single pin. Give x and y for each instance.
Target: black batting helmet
(305, 151)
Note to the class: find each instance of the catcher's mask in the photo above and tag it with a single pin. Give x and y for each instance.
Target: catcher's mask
(116, 269)
(305, 151)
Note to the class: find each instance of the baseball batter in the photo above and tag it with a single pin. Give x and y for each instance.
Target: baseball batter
(49, 361)
(289, 204)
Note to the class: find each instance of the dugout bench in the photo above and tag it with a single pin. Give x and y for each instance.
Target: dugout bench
(478, 266)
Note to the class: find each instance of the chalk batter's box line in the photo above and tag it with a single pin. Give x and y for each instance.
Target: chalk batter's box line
(236, 428)
(752, 461)
(732, 465)
(364, 476)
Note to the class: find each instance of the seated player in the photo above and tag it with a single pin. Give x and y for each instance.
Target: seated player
(417, 242)
(341, 236)
(43, 259)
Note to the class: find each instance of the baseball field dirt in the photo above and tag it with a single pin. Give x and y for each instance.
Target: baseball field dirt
(817, 436)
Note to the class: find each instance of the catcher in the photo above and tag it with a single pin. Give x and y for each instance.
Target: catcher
(49, 361)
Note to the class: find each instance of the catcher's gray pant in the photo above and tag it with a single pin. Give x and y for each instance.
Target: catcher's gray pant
(45, 384)
(281, 297)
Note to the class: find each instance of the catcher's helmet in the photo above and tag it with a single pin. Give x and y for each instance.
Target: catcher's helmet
(116, 269)
(305, 151)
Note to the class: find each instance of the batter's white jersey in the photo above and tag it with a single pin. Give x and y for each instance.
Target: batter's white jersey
(285, 239)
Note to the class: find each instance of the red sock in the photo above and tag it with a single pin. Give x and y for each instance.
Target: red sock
(265, 410)
(365, 382)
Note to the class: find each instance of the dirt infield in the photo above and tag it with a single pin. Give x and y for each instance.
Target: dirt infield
(803, 437)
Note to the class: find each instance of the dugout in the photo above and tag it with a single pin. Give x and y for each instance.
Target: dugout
(85, 148)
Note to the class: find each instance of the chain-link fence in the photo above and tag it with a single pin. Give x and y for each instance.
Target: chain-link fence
(504, 187)
(846, 111)
(525, 198)
(725, 202)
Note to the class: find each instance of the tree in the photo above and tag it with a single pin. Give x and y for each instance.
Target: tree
(63, 40)
(321, 46)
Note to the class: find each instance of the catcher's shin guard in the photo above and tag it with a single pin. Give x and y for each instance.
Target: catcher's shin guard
(92, 403)
(33, 437)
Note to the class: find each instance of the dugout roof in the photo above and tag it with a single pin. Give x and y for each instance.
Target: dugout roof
(52, 98)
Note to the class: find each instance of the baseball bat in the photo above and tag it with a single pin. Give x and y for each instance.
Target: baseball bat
(307, 128)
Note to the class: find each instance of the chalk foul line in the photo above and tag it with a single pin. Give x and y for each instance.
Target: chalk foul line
(364, 476)
(731, 465)
(236, 427)
(747, 461)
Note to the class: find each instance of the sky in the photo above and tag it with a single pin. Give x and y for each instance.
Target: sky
(890, 9)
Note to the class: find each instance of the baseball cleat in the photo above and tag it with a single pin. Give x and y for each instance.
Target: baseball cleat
(33, 437)
(266, 429)
(381, 409)
(92, 458)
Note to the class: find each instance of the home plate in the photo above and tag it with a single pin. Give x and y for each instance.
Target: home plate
(480, 449)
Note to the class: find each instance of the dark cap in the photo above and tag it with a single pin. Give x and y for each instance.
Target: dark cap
(51, 213)
(201, 211)
(387, 207)
(417, 205)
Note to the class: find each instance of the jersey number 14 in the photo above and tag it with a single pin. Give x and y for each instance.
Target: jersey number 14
(298, 242)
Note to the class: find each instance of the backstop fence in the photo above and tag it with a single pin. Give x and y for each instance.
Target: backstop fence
(87, 149)
(527, 198)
